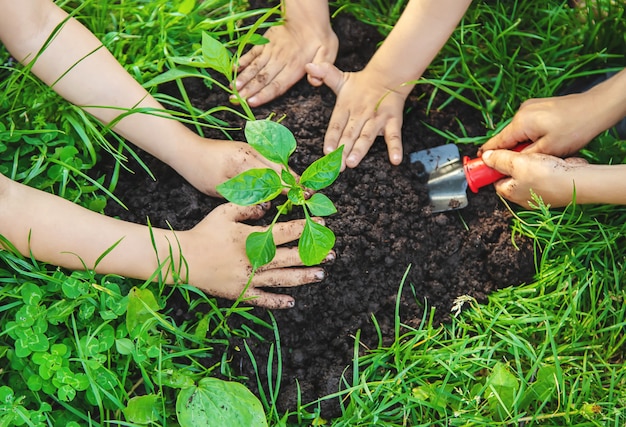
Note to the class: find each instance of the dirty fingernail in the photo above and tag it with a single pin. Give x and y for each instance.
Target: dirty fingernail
(487, 154)
(330, 257)
(319, 275)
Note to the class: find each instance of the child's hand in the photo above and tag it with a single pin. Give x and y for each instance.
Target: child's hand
(267, 71)
(552, 178)
(217, 263)
(364, 110)
(558, 126)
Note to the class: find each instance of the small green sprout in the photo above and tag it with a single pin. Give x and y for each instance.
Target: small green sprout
(276, 143)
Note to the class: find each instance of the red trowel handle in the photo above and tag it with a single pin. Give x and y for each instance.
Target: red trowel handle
(478, 174)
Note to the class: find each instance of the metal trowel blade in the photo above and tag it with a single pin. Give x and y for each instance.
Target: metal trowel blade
(446, 182)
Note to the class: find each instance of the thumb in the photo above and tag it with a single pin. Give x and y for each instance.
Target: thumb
(325, 73)
(238, 213)
(500, 160)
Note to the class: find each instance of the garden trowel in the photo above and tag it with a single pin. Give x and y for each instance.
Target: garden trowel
(448, 176)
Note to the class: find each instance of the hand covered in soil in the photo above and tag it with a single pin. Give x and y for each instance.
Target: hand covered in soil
(267, 71)
(206, 163)
(364, 110)
(215, 253)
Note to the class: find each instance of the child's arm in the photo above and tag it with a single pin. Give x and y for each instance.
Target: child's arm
(81, 70)
(59, 232)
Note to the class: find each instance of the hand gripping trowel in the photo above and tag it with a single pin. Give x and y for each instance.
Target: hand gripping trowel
(448, 176)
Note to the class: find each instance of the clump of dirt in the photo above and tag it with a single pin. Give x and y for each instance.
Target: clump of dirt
(384, 228)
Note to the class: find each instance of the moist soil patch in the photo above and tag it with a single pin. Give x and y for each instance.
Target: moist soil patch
(384, 230)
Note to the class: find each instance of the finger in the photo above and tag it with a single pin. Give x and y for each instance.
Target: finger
(290, 257)
(393, 138)
(261, 298)
(576, 161)
(249, 57)
(501, 160)
(361, 146)
(325, 73)
(242, 213)
(272, 84)
(287, 277)
(334, 131)
(285, 232)
(508, 138)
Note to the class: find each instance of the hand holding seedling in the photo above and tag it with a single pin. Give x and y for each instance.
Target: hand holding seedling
(269, 70)
(560, 126)
(215, 251)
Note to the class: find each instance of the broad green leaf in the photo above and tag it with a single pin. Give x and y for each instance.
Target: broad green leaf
(260, 248)
(315, 243)
(322, 172)
(219, 403)
(140, 304)
(502, 386)
(143, 409)
(274, 141)
(251, 187)
(216, 56)
(320, 205)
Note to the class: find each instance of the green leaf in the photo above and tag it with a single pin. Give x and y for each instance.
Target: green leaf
(322, 172)
(320, 205)
(288, 177)
(542, 389)
(251, 187)
(124, 346)
(140, 304)
(274, 141)
(186, 6)
(315, 243)
(143, 409)
(260, 247)
(216, 55)
(31, 293)
(219, 403)
(502, 386)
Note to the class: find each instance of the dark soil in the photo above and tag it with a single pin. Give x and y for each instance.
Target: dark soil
(383, 226)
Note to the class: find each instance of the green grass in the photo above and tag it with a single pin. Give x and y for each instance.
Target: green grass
(549, 352)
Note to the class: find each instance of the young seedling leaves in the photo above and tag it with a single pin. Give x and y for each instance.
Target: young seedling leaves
(251, 187)
(320, 205)
(219, 403)
(315, 243)
(260, 248)
(216, 56)
(271, 139)
(322, 172)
